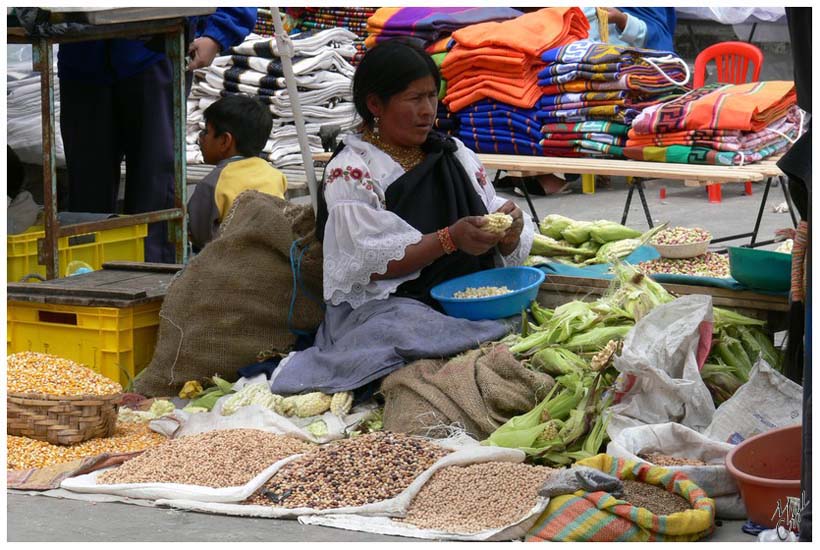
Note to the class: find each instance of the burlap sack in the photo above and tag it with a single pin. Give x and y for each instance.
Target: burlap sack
(232, 300)
(478, 390)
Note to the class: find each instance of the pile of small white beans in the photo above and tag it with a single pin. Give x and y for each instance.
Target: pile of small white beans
(681, 235)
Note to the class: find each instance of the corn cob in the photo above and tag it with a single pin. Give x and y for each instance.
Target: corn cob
(547, 246)
(605, 231)
(497, 222)
(341, 402)
(309, 404)
(577, 232)
(554, 224)
(597, 338)
(558, 361)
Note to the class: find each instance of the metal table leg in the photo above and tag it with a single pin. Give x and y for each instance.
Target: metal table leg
(178, 229)
(760, 211)
(637, 183)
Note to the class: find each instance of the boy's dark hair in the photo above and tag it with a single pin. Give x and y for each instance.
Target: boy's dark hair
(387, 70)
(247, 119)
(15, 172)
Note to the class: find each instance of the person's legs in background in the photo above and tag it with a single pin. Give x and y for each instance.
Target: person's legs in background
(145, 121)
(92, 149)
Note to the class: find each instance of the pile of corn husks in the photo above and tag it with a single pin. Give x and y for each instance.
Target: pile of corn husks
(575, 343)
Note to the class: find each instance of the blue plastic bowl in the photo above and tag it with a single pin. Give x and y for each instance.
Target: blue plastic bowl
(761, 269)
(523, 281)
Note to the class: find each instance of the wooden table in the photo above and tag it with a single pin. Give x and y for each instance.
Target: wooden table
(640, 171)
(559, 289)
(107, 23)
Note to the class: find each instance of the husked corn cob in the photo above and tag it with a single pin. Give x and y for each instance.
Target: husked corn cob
(25, 453)
(481, 292)
(497, 222)
(32, 372)
(309, 404)
(341, 402)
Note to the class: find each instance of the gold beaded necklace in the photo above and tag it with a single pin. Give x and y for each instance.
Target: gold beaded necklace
(407, 157)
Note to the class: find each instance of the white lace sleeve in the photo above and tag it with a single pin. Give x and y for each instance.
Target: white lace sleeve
(477, 174)
(361, 237)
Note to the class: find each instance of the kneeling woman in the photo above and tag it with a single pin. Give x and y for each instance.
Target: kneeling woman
(400, 211)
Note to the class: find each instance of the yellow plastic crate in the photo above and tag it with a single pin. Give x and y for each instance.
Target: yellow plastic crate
(115, 342)
(122, 243)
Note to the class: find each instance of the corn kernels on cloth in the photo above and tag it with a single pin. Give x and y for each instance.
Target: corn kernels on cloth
(356, 346)
(600, 517)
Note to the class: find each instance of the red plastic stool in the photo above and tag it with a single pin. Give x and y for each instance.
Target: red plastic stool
(714, 192)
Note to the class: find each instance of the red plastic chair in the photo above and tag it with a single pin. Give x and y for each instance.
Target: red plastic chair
(732, 60)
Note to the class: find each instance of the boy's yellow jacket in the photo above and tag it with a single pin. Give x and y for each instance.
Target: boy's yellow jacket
(215, 194)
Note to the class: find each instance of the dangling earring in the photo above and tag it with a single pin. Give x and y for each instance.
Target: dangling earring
(376, 126)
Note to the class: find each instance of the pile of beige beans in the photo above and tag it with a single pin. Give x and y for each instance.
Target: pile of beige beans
(221, 458)
(351, 472)
(475, 498)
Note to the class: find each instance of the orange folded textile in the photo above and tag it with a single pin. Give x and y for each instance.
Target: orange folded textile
(526, 78)
(515, 94)
(748, 107)
(532, 33)
(460, 59)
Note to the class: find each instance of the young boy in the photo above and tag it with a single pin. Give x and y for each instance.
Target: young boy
(236, 130)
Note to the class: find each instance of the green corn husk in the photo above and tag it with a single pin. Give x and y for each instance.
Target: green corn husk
(596, 338)
(726, 317)
(521, 432)
(577, 232)
(606, 231)
(558, 361)
(554, 224)
(541, 314)
(772, 355)
(722, 380)
(543, 245)
(615, 250)
(535, 261)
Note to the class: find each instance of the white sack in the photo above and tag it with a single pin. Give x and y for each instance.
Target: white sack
(767, 401)
(466, 451)
(661, 354)
(673, 439)
(152, 491)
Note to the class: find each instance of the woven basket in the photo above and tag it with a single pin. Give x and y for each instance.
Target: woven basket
(61, 420)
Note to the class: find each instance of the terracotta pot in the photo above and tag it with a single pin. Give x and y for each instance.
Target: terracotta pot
(766, 468)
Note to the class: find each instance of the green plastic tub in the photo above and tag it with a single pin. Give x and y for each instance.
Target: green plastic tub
(761, 269)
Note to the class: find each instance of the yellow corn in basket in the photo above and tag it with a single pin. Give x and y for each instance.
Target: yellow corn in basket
(61, 419)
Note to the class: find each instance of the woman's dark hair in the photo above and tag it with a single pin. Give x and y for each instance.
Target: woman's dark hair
(387, 70)
(246, 118)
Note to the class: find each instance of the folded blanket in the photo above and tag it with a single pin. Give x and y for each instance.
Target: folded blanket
(532, 33)
(748, 107)
(428, 23)
(307, 44)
